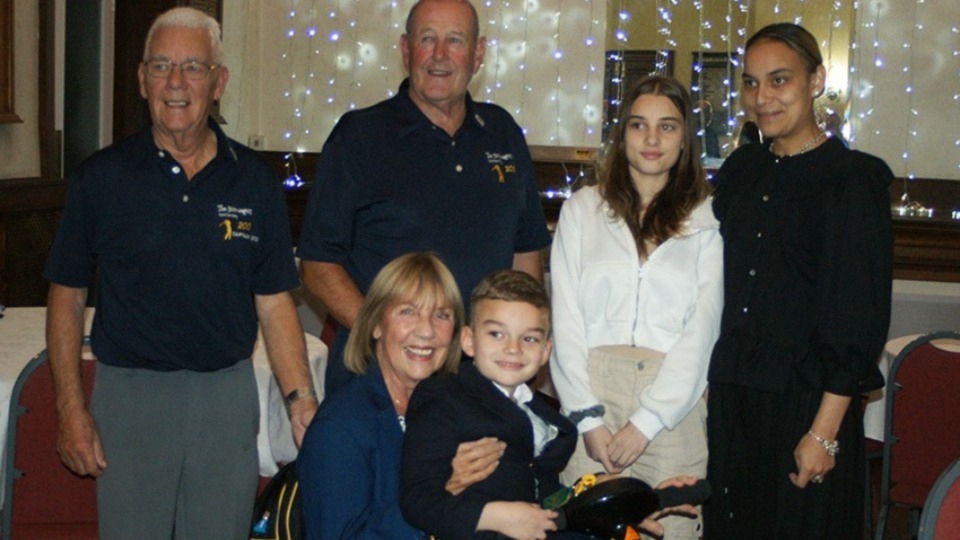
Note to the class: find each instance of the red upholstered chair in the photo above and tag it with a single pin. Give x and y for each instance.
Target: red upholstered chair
(42, 498)
(329, 332)
(873, 451)
(941, 513)
(922, 433)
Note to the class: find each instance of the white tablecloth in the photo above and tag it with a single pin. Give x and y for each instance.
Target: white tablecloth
(22, 338)
(275, 439)
(875, 412)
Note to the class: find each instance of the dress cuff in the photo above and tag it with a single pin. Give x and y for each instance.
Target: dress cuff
(578, 416)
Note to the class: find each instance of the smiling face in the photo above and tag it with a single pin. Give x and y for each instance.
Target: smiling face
(441, 52)
(778, 92)
(179, 106)
(653, 140)
(509, 341)
(412, 340)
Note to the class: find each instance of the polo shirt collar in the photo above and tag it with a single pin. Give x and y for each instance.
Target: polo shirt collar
(413, 117)
(224, 148)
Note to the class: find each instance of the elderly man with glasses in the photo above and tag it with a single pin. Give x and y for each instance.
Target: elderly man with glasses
(187, 233)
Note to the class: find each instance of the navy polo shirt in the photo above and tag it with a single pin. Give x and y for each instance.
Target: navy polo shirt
(178, 261)
(390, 182)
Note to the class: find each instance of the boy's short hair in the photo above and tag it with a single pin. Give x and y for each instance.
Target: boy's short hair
(511, 286)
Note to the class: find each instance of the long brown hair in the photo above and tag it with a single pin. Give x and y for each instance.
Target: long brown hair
(686, 187)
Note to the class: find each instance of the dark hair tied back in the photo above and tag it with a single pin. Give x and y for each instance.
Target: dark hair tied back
(794, 36)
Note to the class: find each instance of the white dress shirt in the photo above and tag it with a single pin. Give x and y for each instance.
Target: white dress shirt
(543, 431)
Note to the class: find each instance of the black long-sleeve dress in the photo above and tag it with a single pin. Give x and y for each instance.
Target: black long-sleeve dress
(808, 249)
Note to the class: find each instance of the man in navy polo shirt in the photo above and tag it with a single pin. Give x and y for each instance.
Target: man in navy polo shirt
(188, 234)
(427, 170)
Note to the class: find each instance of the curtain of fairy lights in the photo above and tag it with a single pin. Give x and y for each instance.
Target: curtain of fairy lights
(493, 46)
(955, 31)
(621, 37)
(591, 115)
(322, 58)
(728, 86)
(557, 59)
(910, 133)
(697, 82)
(317, 59)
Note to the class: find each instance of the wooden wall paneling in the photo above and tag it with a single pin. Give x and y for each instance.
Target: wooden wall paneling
(29, 213)
(8, 114)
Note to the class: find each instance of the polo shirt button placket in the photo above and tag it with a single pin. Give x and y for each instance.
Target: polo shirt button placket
(459, 168)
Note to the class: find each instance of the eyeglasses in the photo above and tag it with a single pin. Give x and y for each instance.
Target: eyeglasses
(194, 71)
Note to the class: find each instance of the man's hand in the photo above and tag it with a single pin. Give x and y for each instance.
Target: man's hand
(626, 446)
(474, 461)
(301, 413)
(597, 441)
(78, 443)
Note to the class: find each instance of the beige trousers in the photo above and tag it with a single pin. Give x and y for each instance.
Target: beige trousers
(617, 375)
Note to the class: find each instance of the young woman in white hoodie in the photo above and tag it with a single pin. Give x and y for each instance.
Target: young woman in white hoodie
(636, 284)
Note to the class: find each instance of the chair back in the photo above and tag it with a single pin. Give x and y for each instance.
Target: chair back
(42, 498)
(940, 519)
(922, 435)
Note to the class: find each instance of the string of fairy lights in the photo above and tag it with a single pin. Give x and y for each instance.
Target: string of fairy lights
(333, 50)
(921, 95)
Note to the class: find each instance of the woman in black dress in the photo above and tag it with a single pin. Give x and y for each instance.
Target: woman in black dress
(807, 278)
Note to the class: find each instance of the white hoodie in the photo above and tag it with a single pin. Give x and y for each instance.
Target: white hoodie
(601, 295)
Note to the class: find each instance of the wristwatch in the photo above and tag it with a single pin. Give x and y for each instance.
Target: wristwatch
(832, 448)
(297, 395)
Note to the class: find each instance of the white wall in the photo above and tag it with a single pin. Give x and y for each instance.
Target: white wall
(885, 116)
(920, 307)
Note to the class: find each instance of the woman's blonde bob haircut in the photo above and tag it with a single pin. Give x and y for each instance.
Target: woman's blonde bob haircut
(418, 278)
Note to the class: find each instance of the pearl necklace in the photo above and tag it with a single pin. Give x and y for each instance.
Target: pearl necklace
(805, 147)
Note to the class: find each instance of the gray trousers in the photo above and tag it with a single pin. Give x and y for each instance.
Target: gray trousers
(181, 452)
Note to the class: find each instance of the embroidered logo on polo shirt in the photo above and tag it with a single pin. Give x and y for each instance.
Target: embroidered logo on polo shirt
(502, 165)
(236, 223)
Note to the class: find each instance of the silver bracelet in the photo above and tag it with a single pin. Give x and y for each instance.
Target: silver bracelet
(832, 448)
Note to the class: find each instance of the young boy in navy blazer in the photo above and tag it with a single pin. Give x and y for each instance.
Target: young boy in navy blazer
(509, 340)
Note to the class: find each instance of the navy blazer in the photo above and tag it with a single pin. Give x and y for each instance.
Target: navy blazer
(349, 465)
(447, 410)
